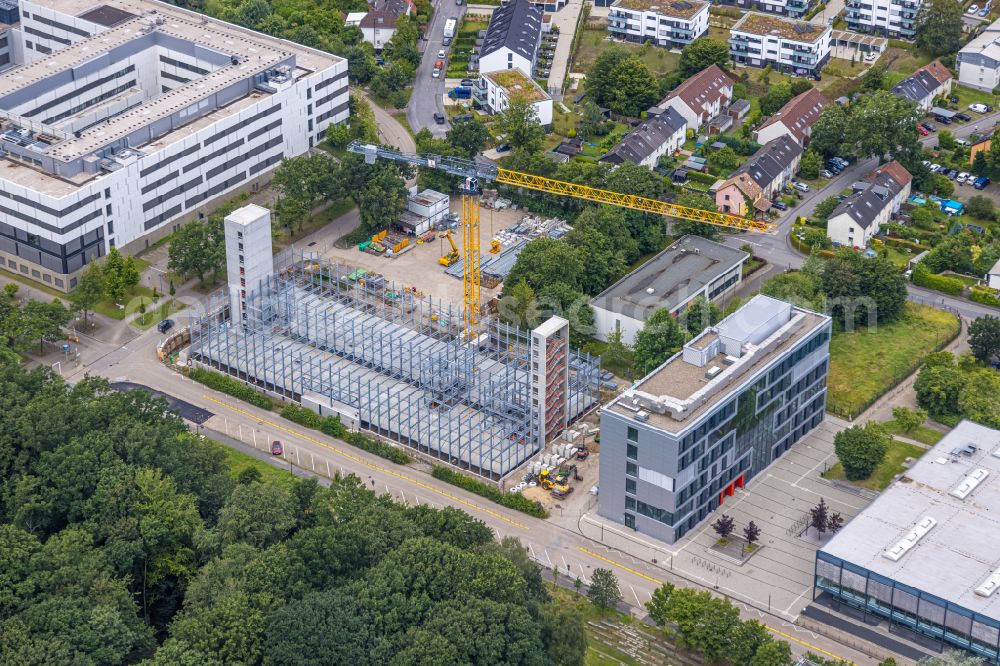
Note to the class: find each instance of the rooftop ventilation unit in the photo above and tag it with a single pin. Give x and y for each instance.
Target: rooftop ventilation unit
(712, 372)
(910, 540)
(642, 416)
(969, 483)
(990, 585)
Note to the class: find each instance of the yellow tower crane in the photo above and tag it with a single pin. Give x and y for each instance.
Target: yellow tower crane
(475, 173)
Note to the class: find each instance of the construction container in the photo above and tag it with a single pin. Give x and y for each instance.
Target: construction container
(546, 459)
(364, 245)
(536, 467)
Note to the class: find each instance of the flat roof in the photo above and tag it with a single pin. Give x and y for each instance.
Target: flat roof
(684, 9)
(768, 25)
(256, 52)
(960, 551)
(517, 84)
(680, 381)
(670, 278)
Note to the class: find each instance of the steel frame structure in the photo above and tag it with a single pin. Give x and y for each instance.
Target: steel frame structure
(396, 357)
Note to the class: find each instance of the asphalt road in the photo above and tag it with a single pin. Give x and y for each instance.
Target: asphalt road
(553, 542)
(777, 248)
(427, 91)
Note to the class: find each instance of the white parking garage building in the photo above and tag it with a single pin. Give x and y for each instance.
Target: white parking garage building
(123, 120)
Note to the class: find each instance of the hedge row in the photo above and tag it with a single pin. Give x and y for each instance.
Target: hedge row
(509, 500)
(331, 425)
(700, 177)
(903, 242)
(985, 295)
(922, 277)
(230, 386)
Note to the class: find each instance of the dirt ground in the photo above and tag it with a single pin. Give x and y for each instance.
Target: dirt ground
(588, 471)
(419, 266)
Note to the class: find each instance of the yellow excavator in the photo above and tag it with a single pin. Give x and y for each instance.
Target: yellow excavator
(453, 256)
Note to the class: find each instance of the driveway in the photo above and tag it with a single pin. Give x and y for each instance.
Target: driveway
(566, 18)
(427, 91)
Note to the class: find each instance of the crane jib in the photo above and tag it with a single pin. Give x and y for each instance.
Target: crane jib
(634, 202)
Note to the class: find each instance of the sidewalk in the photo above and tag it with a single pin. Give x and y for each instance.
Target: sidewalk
(566, 19)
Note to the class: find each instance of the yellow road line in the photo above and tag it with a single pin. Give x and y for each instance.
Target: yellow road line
(769, 628)
(364, 462)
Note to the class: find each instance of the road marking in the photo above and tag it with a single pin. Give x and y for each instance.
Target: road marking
(373, 466)
(768, 627)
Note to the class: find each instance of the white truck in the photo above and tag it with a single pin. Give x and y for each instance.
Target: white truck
(449, 27)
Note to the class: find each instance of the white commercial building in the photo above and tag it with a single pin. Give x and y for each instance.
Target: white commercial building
(792, 47)
(979, 60)
(890, 18)
(692, 266)
(669, 23)
(496, 89)
(126, 119)
(249, 259)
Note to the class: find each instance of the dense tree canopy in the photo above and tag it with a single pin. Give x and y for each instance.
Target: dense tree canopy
(984, 338)
(620, 81)
(861, 450)
(702, 53)
(660, 338)
(939, 27)
(123, 538)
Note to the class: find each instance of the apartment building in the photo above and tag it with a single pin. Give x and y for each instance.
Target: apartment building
(792, 47)
(712, 417)
(129, 117)
(979, 60)
(889, 18)
(859, 217)
(795, 119)
(497, 89)
(668, 23)
(791, 8)
(753, 186)
(512, 38)
(660, 134)
(701, 97)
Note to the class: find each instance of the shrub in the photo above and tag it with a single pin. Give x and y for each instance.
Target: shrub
(229, 386)
(922, 277)
(509, 500)
(331, 425)
(985, 295)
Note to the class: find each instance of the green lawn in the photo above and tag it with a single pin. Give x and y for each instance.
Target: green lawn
(866, 363)
(239, 461)
(967, 280)
(156, 313)
(922, 433)
(133, 297)
(884, 473)
(594, 42)
(967, 96)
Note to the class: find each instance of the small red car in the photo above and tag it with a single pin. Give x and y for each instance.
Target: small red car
(276, 448)
(922, 130)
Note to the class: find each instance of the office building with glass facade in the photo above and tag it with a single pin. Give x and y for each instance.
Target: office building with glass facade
(925, 554)
(713, 416)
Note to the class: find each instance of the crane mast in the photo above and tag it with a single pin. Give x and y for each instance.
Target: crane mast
(474, 173)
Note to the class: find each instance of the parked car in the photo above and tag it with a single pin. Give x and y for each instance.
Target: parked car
(934, 168)
(446, 41)
(780, 205)
(826, 173)
(952, 173)
(963, 117)
(929, 127)
(468, 82)
(165, 325)
(439, 118)
(962, 178)
(841, 161)
(436, 74)
(972, 9)
(981, 183)
(841, 197)
(984, 12)
(503, 148)
(462, 118)
(926, 163)
(944, 120)
(923, 131)
(801, 187)
(441, 54)
(276, 448)
(871, 56)
(980, 108)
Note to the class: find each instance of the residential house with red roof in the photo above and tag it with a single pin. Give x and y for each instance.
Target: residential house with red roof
(795, 119)
(702, 96)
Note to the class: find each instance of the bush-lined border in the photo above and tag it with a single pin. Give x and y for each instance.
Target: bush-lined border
(509, 500)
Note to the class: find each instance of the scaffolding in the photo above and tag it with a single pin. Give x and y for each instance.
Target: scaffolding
(317, 328)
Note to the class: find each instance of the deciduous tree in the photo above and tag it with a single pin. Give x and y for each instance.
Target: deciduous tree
(702, 53)
(89, 290)
(828, 133)
(518, 123)
(751, 533)
(908, 419)
(700, 314)
(818, 516)
(604, 592)
(661, 337)
(984, 338)
(979, 399)
(724, 526)
(810, 164)
(939, 27)
(860, 450)
(468, 136)
(775, 98)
